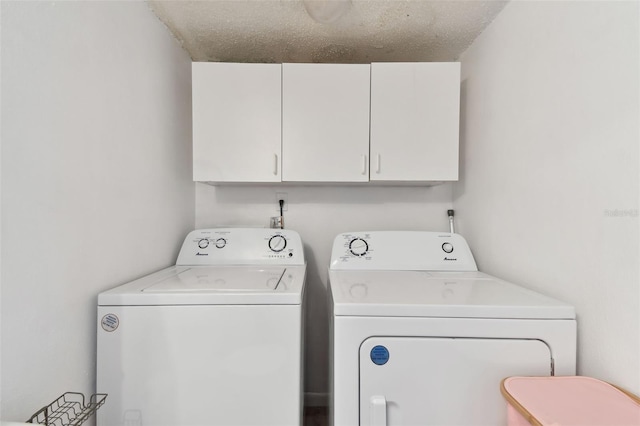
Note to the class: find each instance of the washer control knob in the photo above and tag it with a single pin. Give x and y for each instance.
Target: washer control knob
(277, 243)
(447, 247)
(358, 247)
(203, 243)
(221, 242)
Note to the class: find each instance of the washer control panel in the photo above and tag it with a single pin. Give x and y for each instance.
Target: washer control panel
(242, 246)
(402, 250)
(277, 243)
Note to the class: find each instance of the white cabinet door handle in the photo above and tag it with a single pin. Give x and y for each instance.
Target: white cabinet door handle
(275, 164)
(378, 163)
(378, 410)
(364, 164)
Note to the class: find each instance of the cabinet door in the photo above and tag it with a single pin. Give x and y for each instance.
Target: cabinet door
(236, 122)
(325, 122)
(415, 109)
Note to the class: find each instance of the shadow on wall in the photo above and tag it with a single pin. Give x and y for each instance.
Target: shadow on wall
(459, 186)
(316, 311)
(332, 193)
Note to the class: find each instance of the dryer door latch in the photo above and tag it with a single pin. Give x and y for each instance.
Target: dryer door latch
(378, 407)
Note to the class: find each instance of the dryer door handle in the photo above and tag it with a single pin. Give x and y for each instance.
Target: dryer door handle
(378, 410)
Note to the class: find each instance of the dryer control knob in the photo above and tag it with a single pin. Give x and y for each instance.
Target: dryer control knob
(203, 243)
(447, 247)
(277, 243)
(358, 247)
(221, 242)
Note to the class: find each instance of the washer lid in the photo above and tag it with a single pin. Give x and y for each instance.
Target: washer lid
(212, 285)
(219, 279)
(438, 294)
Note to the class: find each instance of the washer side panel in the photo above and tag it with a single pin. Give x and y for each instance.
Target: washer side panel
(195, 365)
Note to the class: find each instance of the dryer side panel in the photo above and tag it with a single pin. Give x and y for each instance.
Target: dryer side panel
(442, 381)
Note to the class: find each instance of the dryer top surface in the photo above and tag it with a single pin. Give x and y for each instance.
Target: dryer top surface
(438, 294)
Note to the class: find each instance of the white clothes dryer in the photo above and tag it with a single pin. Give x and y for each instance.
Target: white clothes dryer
(420, 337)
(214, 340)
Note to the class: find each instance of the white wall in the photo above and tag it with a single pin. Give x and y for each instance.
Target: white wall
(549, 190)
(319, 213)
(96, 172)
(96, 179)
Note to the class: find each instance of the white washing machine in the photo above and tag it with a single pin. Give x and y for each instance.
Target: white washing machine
(420, 337)
(214, 340)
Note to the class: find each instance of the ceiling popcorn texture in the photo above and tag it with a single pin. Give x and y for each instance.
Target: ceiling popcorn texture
(343, 31)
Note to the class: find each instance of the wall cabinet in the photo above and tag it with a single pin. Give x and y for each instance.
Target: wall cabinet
(325, 123)
(237, 112)
(415, 114)
(384, 122)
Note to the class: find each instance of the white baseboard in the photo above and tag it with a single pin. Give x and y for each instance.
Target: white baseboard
(316, 399)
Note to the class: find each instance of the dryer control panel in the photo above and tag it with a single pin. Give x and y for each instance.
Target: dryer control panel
(401, 250)
(241, 246)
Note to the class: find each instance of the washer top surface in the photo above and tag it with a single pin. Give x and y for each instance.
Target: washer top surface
(212, 285)
(425, 274)
(223, 267)
(222, 278)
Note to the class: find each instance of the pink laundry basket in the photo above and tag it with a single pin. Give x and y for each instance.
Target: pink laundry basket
(568, 401)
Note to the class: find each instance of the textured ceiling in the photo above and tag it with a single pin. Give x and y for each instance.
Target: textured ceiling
(345, 31)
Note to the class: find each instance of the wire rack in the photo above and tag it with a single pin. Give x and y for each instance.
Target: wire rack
(68, 409)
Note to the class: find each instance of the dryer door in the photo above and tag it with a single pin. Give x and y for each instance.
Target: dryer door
(443, 381)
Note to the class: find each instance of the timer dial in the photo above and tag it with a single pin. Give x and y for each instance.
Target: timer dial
(277, 243)
(203, 243)
(358, 247)
(447, 247)
(221, 242)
